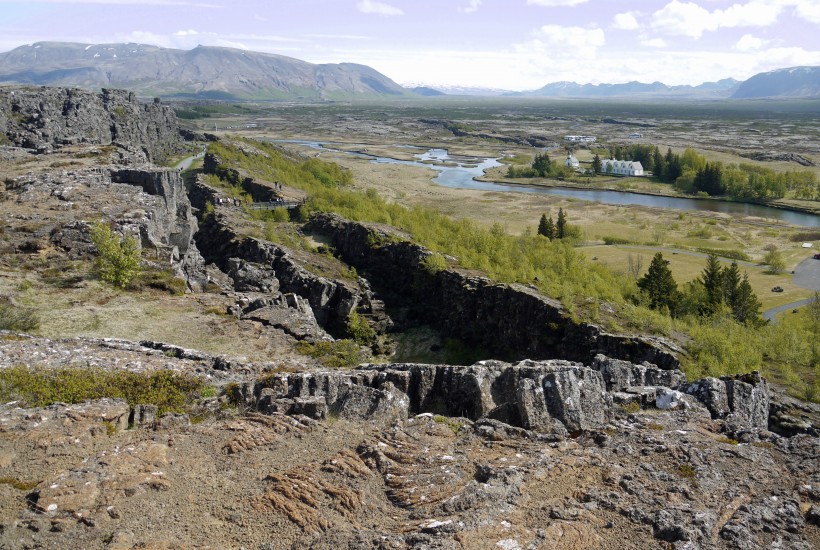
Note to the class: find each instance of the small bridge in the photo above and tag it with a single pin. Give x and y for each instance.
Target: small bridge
(271, 205)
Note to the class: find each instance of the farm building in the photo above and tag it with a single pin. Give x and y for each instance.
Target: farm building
(621, 167)
(572, 162)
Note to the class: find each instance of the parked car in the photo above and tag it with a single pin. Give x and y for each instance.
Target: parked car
(777, 289)
(817, 256)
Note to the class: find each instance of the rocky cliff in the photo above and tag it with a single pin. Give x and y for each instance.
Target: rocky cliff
(509, 321)
(45, 118)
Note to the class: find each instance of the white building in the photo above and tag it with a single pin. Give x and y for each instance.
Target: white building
(572, 162)
(583, 139)
(621, 167)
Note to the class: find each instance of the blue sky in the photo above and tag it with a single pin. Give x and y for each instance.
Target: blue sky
(507, 44)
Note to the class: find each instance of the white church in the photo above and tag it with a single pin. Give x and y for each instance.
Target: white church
(621, 167)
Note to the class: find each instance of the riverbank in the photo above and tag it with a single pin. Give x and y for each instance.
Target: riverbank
(782, 204)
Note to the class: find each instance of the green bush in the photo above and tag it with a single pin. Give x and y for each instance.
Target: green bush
(726, 253)
(339, 354)
(434, 263)
(616, 240)
(360, 330)
(169, 390)
(118, 259)
(18, 318)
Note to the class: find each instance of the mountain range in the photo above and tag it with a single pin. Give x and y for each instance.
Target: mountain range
(227, 73)
(205, 72)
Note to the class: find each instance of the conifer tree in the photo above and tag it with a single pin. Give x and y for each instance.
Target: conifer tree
(596, 164)
(659, 285)
(731, 281)
(746, 306)
(712, 279)
(561, 226)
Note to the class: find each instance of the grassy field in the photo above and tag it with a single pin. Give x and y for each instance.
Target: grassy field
(686, 267)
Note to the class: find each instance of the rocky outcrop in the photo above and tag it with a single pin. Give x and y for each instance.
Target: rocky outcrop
(740, 400)
(172, 226)
(508, 320)
(257, 264)
(46, 118)
(550, 396)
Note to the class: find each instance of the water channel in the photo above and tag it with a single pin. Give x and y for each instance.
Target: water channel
(460, 173)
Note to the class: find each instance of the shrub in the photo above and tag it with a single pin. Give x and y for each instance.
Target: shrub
(360, 330)
(434, 263)
(18, 318)
(727, 253)
(168, 390)
(616, 240)
(118, 258)
(342, 354)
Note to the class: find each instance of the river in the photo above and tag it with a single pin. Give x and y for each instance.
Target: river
(460, 173)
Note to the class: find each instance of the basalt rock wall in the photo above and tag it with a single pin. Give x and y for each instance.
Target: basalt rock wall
(509, 321)
(331, 300)
(46, 118)
(552, 396)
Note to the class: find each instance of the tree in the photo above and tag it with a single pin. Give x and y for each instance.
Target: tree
(659, 285)
(542, 164)
(731, 280)
(546, 227)
(634, 265)
(774, 259)
(596, 164)
(118, 259)
(561, 226)
(712, 279)
(745, 306)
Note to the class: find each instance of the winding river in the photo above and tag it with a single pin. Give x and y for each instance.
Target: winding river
(461, 173)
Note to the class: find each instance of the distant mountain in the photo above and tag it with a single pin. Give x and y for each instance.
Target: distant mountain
(426, 92)
(722, 88)
(467, 90)
(205, 72)
(793, 82)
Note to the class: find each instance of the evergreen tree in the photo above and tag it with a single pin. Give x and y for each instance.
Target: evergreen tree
(546, 227)
(542, 225)
(731, 281)
(712, 279)
(552, 232)
(542, 164)
(659, 285)
(659, 165)
(596, 164)
(561, 226)
(746, 306)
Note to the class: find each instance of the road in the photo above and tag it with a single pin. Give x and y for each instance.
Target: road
(806, 275)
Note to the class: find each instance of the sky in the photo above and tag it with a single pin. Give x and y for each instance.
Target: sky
(499, 44)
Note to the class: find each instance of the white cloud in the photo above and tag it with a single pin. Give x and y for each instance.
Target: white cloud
(557, 42)
(808, 10)
(187, 3)
(474, 5)
(687, 19)
(378, 8)
(555, 3)
(690, 19)
(339, 36)
(748, 42)
(654, 43)
(189, 32)
(626, 21)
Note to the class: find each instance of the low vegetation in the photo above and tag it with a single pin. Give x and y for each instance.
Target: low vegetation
(40, 387)
(720, 340)
(118, 258)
